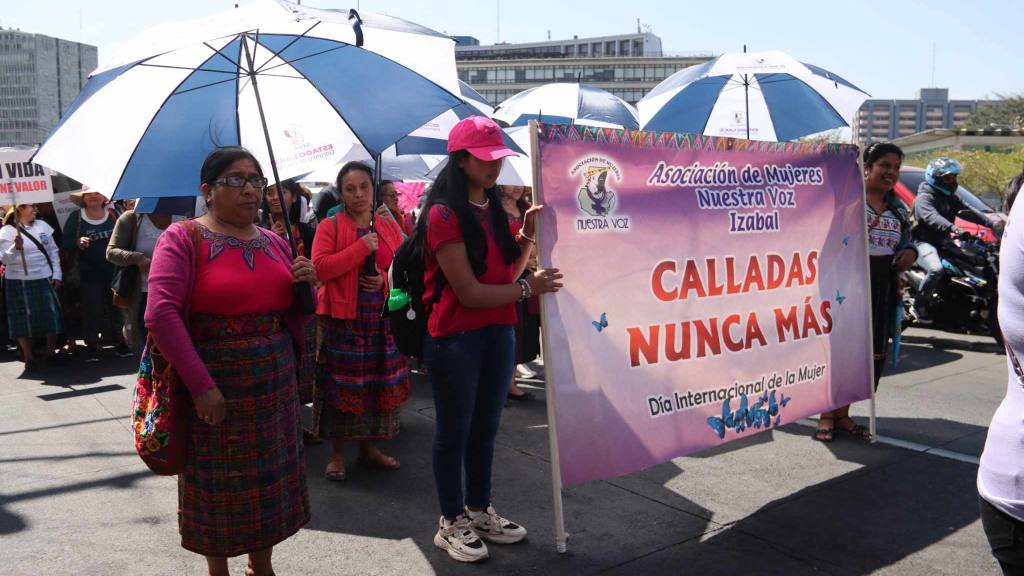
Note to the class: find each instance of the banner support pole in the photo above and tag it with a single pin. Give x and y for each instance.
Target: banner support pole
(872, 416)
(561, 536)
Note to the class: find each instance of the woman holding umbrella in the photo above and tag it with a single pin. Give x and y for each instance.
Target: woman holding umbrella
(363, 380)
(28, 249)
(221, 311)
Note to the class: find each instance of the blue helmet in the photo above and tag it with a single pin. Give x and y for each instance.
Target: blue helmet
(938, 168)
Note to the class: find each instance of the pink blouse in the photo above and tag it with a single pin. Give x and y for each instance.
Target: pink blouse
(235, 277)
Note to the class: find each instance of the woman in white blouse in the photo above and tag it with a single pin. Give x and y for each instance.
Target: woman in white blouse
(29, 251)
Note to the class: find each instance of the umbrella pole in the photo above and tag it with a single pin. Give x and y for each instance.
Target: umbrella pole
(746, 99)
(270, 150)
(303, 295)
(370, 264)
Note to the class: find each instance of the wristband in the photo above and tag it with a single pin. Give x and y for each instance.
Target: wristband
(523, 236)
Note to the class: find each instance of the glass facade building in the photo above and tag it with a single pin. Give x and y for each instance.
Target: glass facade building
(628, 66)
(40, 77)
(885, 120)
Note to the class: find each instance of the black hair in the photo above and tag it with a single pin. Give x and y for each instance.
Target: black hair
(219, 160)
(294, 214)
(522, 204)
(450, 189)
(349, 167)
(876, 151)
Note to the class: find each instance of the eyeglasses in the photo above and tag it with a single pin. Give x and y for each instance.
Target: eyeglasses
(258, 182)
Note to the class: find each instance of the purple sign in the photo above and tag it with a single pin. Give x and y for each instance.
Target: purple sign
(715, 288)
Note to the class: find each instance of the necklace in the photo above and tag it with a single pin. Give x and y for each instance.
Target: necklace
(484, 204)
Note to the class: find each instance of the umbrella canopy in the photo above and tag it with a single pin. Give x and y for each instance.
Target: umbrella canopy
(567, 103)
(432, 137)
(393, 167)
(766, 96)
(299, 84)
(174, 205)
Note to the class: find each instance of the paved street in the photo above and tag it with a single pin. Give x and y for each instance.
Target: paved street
(75, 499)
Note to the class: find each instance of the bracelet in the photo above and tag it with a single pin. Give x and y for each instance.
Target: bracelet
(523, 236)
(525, 289)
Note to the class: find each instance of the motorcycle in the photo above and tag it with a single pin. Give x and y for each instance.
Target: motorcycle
(967, 300)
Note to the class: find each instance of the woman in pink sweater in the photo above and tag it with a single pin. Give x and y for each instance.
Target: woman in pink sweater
(220, 311)
(363, 380)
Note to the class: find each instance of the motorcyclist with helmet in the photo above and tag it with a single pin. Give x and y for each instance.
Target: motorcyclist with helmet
(936, 208)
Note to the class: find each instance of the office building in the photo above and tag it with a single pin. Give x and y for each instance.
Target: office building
(886, 120)
(39, 78)
(627, 65)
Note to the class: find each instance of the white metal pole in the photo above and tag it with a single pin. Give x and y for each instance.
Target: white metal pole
(872, 420)
(561, 536)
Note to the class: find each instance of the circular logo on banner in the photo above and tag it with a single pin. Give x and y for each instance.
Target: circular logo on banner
(596, 195)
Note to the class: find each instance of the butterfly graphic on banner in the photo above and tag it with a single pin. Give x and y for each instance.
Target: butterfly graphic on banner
(601, 324)
(758, 415)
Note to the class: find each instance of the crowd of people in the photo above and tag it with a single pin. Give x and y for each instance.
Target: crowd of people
(220, 296)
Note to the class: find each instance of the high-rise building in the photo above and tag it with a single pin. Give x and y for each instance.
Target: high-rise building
(887, 120)
(627, 65)
(40, 77)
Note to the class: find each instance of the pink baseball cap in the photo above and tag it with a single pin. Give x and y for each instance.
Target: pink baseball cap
(479, 136)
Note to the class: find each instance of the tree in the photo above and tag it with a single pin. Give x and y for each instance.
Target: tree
(985, 173)
(1008, 112)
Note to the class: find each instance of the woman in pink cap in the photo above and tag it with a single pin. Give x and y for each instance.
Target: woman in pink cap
(472, 263)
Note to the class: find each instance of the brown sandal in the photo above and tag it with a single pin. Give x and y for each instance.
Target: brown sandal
(823, 434)
(335, 471)
(857, 431)
(380, 462)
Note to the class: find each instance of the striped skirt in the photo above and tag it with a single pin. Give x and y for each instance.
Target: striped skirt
(33, 308)
(244, 488)
(363, 380)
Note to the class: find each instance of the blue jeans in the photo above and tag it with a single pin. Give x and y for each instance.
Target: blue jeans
(470, 374)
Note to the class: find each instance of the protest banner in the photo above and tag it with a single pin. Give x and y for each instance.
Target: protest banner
(22, 181)
(714, 288)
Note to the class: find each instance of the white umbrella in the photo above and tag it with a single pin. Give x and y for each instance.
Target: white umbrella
(567, 103)
(297, 84)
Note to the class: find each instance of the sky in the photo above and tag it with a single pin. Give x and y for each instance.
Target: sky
(885, 48)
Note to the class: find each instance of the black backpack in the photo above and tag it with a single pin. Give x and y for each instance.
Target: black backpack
(409, 319)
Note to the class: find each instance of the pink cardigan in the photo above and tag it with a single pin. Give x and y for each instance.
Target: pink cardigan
(171, 280)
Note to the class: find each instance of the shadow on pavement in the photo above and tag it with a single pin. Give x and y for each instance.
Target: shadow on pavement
(941, 341)
(11, 523)
(915, 357)
(403, 505)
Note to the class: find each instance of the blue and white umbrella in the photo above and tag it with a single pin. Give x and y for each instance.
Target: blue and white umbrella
(567, 103)
(766, 96)
(297, 84)
(432, 137)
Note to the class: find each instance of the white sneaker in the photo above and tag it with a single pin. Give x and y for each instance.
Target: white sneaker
(493, 528)
(459, 540)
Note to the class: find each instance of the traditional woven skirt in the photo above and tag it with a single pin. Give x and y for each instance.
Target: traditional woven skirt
(32, 308)
(363, 379)
(307, 361)
(244, 488)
